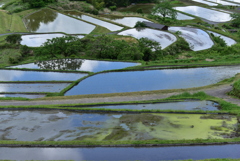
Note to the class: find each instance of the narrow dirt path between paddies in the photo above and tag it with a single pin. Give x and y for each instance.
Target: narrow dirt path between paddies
(219, 91)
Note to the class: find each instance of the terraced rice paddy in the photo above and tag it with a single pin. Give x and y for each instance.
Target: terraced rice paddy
(227, 40)
(196, 38)
(62, 125)
(47, 20)
(163, 38)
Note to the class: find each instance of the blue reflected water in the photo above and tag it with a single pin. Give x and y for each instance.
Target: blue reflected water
(116, 82)
(117, 154)
(77, 64)
(186, 105)
(17, 75)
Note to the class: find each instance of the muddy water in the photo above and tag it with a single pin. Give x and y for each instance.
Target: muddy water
(117, 82)
(77, 64)
(61, 125)
(163, 38)
(186, 105)
(18, 75)
(119, 154)
(196, 38)
(47, 20)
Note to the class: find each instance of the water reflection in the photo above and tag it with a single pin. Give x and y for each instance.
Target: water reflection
(228, 40)
(57, 125)
(164, 38)
(205, 13)
(77, 64)
(116, 82)
(186, 105)
(127, 153)
(127, 21)
(107, 25)
(47, 20)
(38, 40)
(30, 96)
(224, 2)
(206, 2)
(17, 75)
(197, 38)
(32, 87)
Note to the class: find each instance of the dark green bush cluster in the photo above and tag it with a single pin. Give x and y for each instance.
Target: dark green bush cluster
(38, 3)
(236, 89)
(14, 38)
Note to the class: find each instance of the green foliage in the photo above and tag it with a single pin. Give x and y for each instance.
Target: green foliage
(61, 46)
(38, 3)
(218, 40)
(14, 38)
(25, 51)
(139, 10)
(165, 9)
(140, 24)
(236, 89)
(235, 19)
(113, 8)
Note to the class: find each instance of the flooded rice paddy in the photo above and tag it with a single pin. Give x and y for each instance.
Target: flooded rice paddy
(47, 20)
(56, 125)
(185, 105)
(224, 2)
(127, 21)
(227, 40)
(205, 13)
(30, 96)
(206, 2)
(163, 38)
(38, 39)
(77, 64)
(18, 75)
(109, 26)
(133, 81)
(126, 153)
(196, 38)
(32, 87)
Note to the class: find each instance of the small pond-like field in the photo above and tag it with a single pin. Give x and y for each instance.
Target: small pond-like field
(185, 105)
(47, 20)
(163, 38)
(133, 81)
(18, 75)
(196, 38)
(56, 125)
(32, 87)
(77, 64)
(205, 13)
(227, 40)
(109, 26)
(206, 2)
(38, 39)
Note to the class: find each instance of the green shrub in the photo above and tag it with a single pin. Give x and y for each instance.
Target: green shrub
(236, 89)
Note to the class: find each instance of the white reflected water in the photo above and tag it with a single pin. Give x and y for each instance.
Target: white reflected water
(228, 40)
(197, 38)
(206, 2)
(163, 38)
(224, 2)
(205, 13)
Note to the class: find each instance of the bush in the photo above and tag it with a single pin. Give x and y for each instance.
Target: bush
(236, 89)
(14, 38)
(113, 8)
(140, 24)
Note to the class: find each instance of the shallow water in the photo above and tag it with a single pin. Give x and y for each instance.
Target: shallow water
(224, 2)
(228, 40)
(127, 153)
(1, 4)
(32, 87)
(206, 2)
(38, 39)
(57, 125)
(163, 38)
(77, 64)
(109, 26)
(186, 105)
(196, 38)
(205, 13)
(47, 20)
(133, 81)
(30, 96)
(127, 21)
(19, 75)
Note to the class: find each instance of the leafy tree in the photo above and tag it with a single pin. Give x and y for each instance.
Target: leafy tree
(235, 19)
(149, 48)
(65, 46)
(14, 38)
(165, 9)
